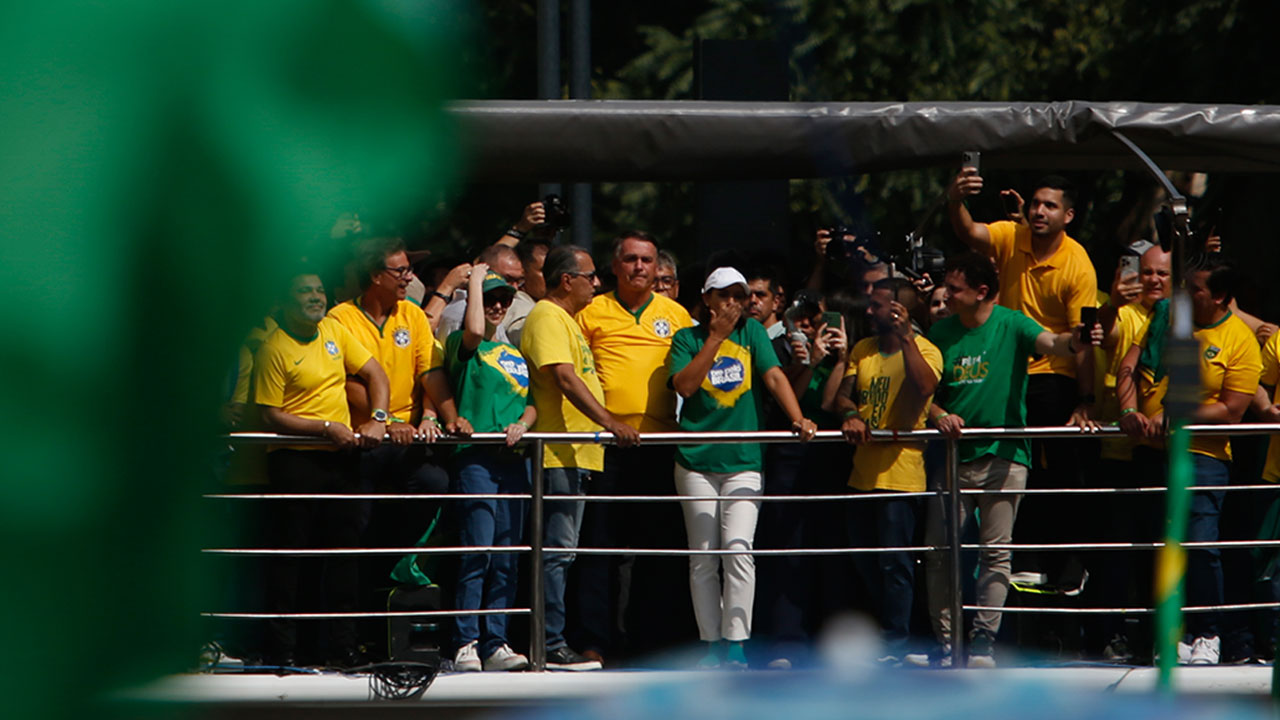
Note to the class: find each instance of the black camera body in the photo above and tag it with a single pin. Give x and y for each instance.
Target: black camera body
(556, 214)
(845, 244)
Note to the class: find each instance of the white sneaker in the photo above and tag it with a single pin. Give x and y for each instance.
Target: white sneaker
(1206, 650)
(467, 659)
(1184, 653)
(504, 658)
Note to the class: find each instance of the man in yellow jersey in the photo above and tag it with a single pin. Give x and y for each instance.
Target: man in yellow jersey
(1047, 276)
(629, 331)
(1266, 405)
(566, 391)
(888, 383)
(299, 382)
(1121, 576)
(396, 332)
(1230, 366)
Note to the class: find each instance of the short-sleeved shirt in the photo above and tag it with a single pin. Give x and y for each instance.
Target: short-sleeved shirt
(984, 378)
(1229, 360)
(307, 377)
(882, 405)
(1051, 291)
(631, 350)
(727, 399)
(551, 336)
(1271, 376)
(1132, 320)
(244, 372)
(490, 383)
(403, 345)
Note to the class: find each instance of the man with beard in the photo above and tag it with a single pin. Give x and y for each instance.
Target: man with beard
(300, 375)
(888, 384)
(629, 331)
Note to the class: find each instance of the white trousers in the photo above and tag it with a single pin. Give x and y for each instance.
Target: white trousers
(722, 612)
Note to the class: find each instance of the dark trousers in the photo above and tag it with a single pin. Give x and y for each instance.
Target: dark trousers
(887, 580)
(312, 524)
(796, 593)
(1204, 566)
(629, 605)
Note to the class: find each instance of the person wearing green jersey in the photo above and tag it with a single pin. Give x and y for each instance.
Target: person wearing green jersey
(716, 367)
(490, 381)
(985, 348)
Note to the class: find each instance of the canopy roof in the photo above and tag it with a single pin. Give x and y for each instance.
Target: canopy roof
(624, 140)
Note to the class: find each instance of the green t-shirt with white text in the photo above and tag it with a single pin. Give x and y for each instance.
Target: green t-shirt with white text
(984, 378)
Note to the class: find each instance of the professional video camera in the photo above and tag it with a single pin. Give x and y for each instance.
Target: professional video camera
(556, 214)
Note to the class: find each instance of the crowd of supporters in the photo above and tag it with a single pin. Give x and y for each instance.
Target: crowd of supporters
(1012, 332)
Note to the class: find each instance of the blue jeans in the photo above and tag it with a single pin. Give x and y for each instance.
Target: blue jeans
(1204, 567)
(489, 581)
(562, 522)
(888, 578)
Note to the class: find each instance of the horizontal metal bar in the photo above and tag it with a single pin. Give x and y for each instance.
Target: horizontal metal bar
(363, 496)
(1123, 611)
(770, 436)
(656, 552)
(343, 615)
(1203, 545)
(304, 552)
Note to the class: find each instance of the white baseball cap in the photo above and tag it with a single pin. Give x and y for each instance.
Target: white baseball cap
(723, 277)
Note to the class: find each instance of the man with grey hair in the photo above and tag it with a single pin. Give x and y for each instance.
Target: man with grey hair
(502, 260)
(565, 389)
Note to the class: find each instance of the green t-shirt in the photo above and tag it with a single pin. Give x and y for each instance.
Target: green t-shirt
(984, 378)
(490, 384)
(811, 400)
(727, 399)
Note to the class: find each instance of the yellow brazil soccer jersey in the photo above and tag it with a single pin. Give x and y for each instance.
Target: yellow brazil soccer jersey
(1131, 323)
(883, 405)
(1229, 360)
(552, 337)
(1051, 291)
(631, 350)
(403, 345)
(251, 343)
(307, 377)
(1271, 376)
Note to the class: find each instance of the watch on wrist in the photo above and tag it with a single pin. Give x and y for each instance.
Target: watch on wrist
(380, 415)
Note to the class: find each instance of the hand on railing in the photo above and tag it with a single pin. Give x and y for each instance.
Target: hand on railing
(515, 431)
(459, 426)
(1082, 418)
(340, 435)
(402, 433)
(949, 425)
(804, 428)
(371, 433)
(623, 434)
(429, 429)
(855, 430)
(1136, 425)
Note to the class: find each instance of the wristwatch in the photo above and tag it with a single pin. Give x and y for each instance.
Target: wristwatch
(380, 415)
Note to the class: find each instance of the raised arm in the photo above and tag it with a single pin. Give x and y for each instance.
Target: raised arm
(975, 235)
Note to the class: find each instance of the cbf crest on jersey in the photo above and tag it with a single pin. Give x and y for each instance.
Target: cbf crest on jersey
(331, 347)
(662, 327)
(401, 337)
(510, 364)
(730, 374)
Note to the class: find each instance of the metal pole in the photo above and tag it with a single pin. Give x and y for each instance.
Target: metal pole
(580, 89)
(954, 523)
(548, 66)
(537, 583)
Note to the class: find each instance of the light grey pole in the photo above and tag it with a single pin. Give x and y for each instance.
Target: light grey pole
(548, 66)
(537, 582)
(580, 89)
(955, 522)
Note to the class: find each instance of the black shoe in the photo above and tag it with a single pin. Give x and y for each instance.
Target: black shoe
(981, 644)
(564, 658)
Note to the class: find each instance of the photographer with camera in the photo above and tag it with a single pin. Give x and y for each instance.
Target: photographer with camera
(540, 221)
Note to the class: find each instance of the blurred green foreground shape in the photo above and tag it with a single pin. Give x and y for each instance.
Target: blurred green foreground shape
(159, 163)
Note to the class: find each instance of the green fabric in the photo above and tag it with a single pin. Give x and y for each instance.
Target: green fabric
(408, 571)
(1152, 356)
(984, 378)
(811, 400)
(1268, 558)
(490, 384)
(733, 401)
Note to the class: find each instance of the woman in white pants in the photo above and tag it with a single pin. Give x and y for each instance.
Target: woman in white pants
(715, 368)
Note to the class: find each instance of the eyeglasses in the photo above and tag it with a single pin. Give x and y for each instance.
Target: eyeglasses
(515, 282)
(664, 280)
(588, 275)
(401, 272)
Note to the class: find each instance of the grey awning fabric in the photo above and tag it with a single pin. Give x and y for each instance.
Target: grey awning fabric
(622, 140)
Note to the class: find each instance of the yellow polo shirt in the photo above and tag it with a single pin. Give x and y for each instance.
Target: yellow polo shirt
(1051, 291)
(882, 406)
(1271, 376)
(307, 377)
(1229, 360)
(403, 345)
(631, 356)
(551, 336)
(251, 343)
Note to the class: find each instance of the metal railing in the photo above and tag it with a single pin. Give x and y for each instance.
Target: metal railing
(536, 443)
